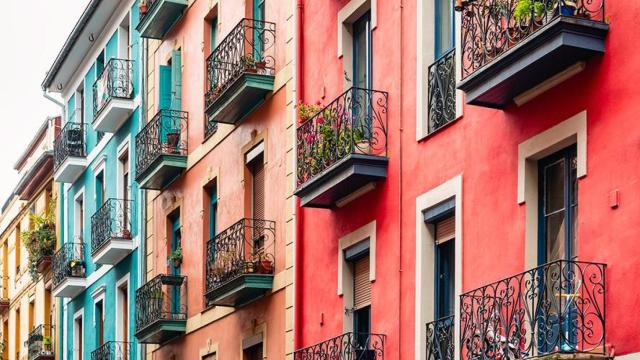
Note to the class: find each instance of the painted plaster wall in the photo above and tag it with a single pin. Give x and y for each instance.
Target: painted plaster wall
(107, 153)
(222, 157)
(483, 147)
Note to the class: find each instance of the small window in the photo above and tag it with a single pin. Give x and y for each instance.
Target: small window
(444, 27)
(100, 189)
(253, 348)
(99, 321)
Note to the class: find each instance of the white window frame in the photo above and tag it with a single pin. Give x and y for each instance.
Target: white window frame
(425, 260)
(125, 280)
(76, 216)
(78, 336)
(347, 15)
(123, 147)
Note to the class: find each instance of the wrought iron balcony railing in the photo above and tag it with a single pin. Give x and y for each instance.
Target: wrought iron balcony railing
(440, 344)
(68, 262)
(70, 142)
(442, 91)
(349, 346)
(40, 343)
(111, 221)
(113, 350)
(354, 123)
(165, 134)
(558, 307)
(162, 298)
(246, 247)
(115, 82)
(492, 27)
(248, 48)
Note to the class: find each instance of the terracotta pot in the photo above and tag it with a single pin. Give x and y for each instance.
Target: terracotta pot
(177, 263)
(143, 9)
(251, 70)
(264, 266)
(126, 234)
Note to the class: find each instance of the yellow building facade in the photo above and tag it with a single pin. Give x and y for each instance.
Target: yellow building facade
(27, 222)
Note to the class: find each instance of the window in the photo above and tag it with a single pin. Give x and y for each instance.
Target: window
(210, 357)
(98, 318)
(17, 333)
(123, 312)
(170, 83)
(213, 33)
(77, 338)
(253, 348)
(361, 298)
(444, 267)
(79, 218)
(123, 165)
(18, 248)
(362, 53)
(444, 27)
(211, 205)
(175, 238)
(558, 206)
(31, 319)
(100, 189)
(256, 182)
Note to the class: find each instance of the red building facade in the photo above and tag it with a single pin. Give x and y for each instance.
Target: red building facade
(499, 219)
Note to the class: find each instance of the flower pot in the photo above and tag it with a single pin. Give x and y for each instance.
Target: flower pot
(264, 266)
(173, 139)
(177, 263)
(126, 234)
(43, 263)
(251, 70)
(249, 267)
(362, 147)
(144, 8)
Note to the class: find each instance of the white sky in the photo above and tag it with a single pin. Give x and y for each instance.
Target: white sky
(32, 33)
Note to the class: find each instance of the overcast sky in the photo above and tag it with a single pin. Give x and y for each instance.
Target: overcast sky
(32, 33)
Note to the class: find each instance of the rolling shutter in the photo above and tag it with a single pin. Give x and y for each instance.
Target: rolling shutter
(362, 285)
(445, 229)
(258, 189)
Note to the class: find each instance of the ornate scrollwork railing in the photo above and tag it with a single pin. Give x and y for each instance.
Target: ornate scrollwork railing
(111, 221)
(354, 123)
(558, 307)
(248, 48)
(246, 247)
(162, 298)
(349, 346)
(165, 134)
(440, 344)
(113, 350)
(115, 82)
(69, 262)
(442, 91)
(491, 27)
(70, 142)
(40, 342)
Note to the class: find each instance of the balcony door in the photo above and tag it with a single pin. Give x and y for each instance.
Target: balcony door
(362, 52)
(444, 267)
(176, 242)
(444, 27)
(558, 213)
(258, 31)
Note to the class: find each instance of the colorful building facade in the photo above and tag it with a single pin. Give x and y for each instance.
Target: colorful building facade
(215, 157)
(502, 222)
(96, 267)
(28, 233)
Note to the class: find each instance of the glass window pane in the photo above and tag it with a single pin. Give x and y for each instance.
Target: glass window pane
(554, 187)
(444, 17)
(555, 234)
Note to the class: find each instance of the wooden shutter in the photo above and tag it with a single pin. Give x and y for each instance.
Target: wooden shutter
(445, 229)
(164, 87)
(362, 285)
(176, 80)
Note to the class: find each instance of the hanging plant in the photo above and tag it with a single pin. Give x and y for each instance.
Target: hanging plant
(40, 239)
(176, 257)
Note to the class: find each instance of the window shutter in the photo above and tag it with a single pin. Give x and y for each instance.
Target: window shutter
(176, 80)
(258, 189)
(362, 285)
(445, 229)
(164, 88)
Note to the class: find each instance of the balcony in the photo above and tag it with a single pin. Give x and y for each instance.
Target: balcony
(240, 72)
(349, 346)
(557, 309)
(240, 263)
(161, 149)
(69, 153)
(69, 277)
(342, 148)
(157, 17)
(510, 47)
(113, 350)
(111, 239)
(442, 91)
(40, 343)
(440, 344)
(161, 309)
(113, 96)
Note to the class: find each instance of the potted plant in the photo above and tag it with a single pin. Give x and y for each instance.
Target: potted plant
(264, 266)
(143, 7)
(261, 64)
(40, 240)
(173, 142)
(76, 268)
(248, 63)
(176, 257)
(126, 234)
(46, 341)
(307, 111)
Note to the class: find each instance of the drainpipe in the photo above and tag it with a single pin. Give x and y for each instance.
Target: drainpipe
(59, 301)
(299, 83)
(400, 172)
(142, 256)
